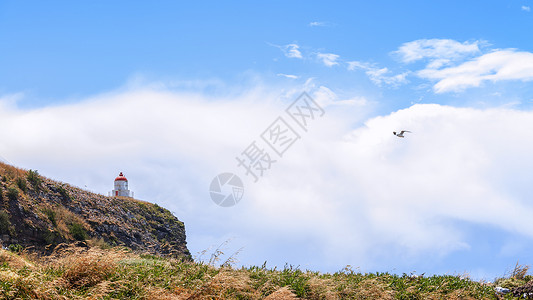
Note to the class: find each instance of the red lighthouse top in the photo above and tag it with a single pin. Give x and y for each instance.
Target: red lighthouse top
(121, 177)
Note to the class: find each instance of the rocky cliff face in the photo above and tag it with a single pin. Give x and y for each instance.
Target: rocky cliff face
(39, 212)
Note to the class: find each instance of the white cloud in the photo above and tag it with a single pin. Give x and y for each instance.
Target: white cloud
(500, 65)
(376, 191)
(526, 8)
(319, 24)
(353, 65)
(316, 24)
(288, 76)
(379, 76)
(344, 193)
(326, 97)
(449, 167)
(455, 66)
(439, 51)
(329, 59)
(291, 51)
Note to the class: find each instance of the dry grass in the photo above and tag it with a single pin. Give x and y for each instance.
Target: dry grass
(519, 272)
(87, 269)
(83, 272)
(282, 294)
(64, 218)
(14, 261)
(11, 172)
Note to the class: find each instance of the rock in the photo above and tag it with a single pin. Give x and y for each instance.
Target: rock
(501, 290)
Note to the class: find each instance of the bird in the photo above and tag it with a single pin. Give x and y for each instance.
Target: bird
(401, 133)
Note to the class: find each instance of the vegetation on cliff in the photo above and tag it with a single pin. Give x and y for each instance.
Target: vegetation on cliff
(41, 213)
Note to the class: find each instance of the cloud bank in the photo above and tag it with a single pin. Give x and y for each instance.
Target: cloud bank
(354, 196)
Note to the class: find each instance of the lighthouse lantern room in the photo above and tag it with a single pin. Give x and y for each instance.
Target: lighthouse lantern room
(121, 187)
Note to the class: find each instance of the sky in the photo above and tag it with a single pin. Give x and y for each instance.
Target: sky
(173, 93)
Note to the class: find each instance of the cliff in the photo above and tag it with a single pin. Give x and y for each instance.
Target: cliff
(40, 213)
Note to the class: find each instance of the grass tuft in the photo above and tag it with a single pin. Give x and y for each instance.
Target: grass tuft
(88, 269)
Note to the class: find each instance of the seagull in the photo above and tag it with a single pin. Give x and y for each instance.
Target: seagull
(401, 133)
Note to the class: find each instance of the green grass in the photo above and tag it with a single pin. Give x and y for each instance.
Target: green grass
(120, 274)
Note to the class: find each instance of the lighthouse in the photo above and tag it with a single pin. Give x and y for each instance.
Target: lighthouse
(121, 187)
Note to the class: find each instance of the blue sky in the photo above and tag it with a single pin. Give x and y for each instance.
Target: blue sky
(65, 50)
(170, 92)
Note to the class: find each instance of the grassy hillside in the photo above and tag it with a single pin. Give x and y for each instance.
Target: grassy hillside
(39, 212)
(84, 272)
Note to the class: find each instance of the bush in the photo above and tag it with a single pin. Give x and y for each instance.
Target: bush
(100, 243)
(51, 214)
(12, 193)
(51, 237)
(34, 178)
(4, 222)
(15, 248)
(64, 193)
(21, 183)
(78, 232)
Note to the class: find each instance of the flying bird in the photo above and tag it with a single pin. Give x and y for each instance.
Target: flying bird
(401, 133)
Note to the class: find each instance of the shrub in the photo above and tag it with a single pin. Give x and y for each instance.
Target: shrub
(78, 232)
(51, 237)
(34, 178)
(100, 243)
(51, 214)
(15, 248)
(21, 183)
(64, 193)
(4, 222)
(12, 193)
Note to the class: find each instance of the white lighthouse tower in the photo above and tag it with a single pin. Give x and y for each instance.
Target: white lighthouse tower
(121, 187)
